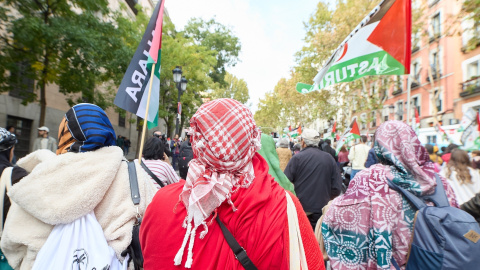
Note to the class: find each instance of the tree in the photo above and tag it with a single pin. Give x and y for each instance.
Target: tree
(218, 38)
(197, 62)
(73, 44)
(472, 10)
(235, 88)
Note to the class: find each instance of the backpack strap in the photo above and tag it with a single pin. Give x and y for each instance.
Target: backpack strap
(439, 197)
(238, 251)
(5, 185)
(132, 176)
(395, 264)
(412, 198)
(154, 177)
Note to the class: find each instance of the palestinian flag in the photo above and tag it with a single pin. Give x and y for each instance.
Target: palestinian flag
(379, 45)
(350, 134)
(295, 132)
(132, 95)
(331, 134)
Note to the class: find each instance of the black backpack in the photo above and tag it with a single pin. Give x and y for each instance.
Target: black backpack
(186, 154)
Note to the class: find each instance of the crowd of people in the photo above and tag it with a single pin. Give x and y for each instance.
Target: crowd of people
(238, 201)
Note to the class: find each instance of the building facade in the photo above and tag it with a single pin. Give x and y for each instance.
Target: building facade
(444, 75)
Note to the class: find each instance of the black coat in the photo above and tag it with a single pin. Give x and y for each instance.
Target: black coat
(473, 207)
(325, 147)
(316, 178)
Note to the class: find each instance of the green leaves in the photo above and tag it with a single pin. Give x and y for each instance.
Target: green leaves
(234, 88)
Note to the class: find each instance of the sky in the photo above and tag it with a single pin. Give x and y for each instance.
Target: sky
(270, 32)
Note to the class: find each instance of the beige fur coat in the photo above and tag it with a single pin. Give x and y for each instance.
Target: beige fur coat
(60, 189)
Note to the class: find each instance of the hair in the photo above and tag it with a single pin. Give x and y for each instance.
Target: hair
(444, 149)
(364, 138)
(328, 141)
(429, 148)
(343, 149)
(476, 152)
(459, 161)
(296, 147)
(153, 149)
(450, 147)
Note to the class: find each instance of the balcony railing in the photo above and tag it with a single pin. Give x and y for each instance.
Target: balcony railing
(470, 87)
(435, 75)
(397, 92)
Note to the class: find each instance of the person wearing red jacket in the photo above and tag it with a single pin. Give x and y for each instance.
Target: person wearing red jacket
(227, 179)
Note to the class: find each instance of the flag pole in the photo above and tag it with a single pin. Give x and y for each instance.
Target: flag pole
(142, 140)
(409, 87)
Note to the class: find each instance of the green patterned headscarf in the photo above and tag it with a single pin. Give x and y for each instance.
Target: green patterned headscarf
(269, 153)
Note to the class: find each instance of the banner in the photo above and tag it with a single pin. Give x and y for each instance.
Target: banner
(133, 91)
(379, 45)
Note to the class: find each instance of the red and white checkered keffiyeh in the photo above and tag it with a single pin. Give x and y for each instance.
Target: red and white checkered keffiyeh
(224, 140)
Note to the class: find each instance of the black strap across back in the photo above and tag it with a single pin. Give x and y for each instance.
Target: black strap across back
(238, 251)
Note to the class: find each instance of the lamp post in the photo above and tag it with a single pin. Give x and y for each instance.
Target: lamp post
(181, 87)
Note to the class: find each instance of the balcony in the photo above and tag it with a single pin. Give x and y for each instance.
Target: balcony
(435, 76)
(397, 92)
(434, 37)
(415, 49)
(414, 85)
(470, 87)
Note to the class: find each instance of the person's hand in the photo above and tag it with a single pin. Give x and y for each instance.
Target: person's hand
(165, 158)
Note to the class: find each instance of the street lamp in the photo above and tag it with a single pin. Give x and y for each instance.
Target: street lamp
(181, 87)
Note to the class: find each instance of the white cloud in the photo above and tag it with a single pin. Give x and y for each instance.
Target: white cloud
(270, 33)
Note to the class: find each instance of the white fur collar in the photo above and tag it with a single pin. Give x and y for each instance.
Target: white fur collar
(63, 188)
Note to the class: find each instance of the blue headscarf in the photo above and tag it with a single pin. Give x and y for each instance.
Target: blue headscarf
(89, 127)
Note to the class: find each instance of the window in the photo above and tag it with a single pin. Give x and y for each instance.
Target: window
(373, 90)
(436, 25)
(385, 113)
(21, 84)
(435, 65)
(363, 120)
(432, 139)
(374, 119)
(439, 101)
(121, 120)
(131, 4)
(355, 103)
(23, 128)
(416, 105)
(416, 38)
(416, 72)
(399, 110)
(473, 69)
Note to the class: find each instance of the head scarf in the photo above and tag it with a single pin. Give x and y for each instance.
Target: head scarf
(270, 155)
(224, 140)
(370, 223)
(397, 145)
(283, 143)
(7, 141)
(84, 128)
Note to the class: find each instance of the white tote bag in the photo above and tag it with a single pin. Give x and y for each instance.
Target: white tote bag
(80, 245)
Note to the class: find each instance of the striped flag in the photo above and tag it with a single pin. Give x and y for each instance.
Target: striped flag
(379, 45)
(133, 92)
